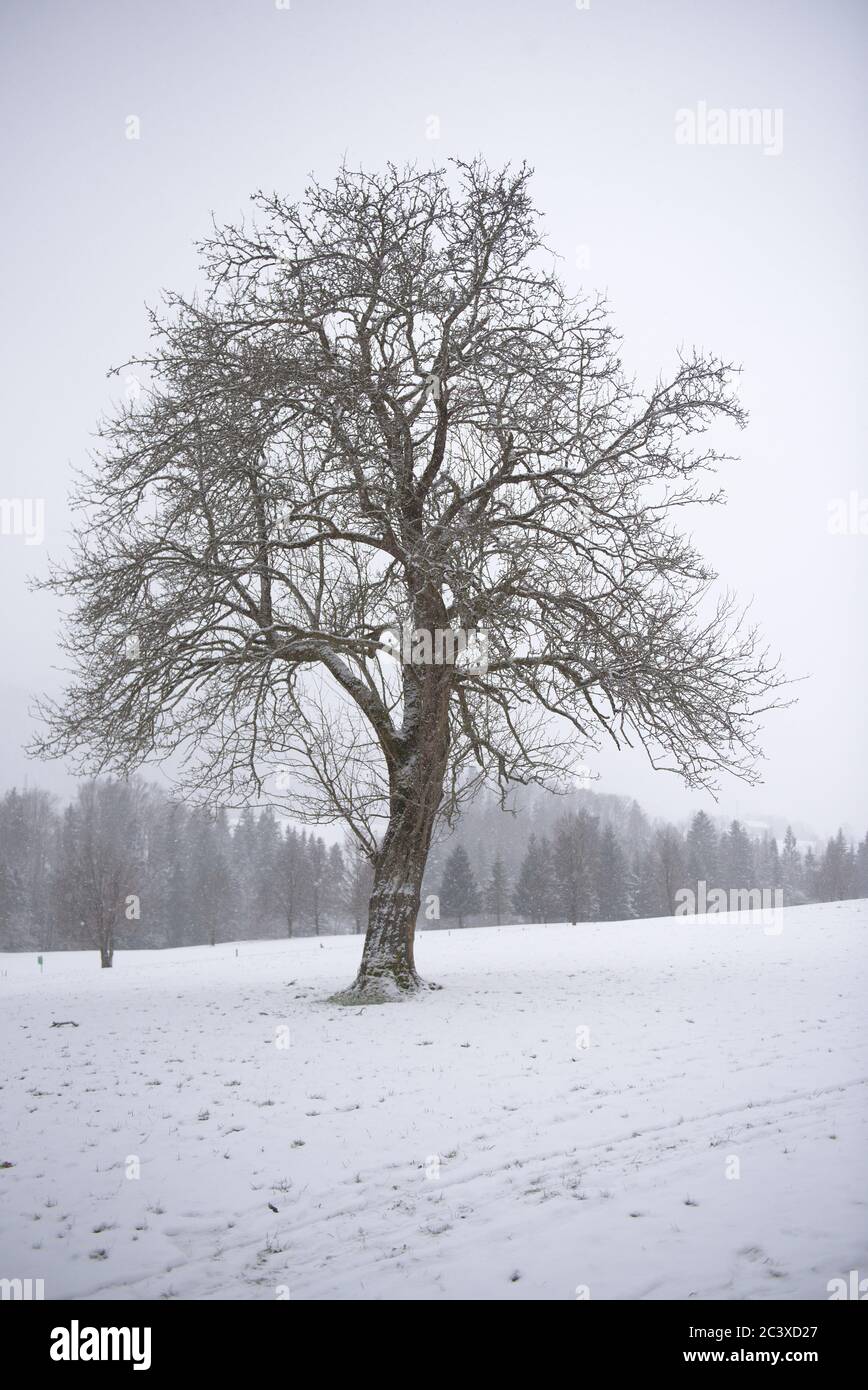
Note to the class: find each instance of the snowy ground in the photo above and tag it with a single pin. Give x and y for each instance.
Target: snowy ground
(459, 1146)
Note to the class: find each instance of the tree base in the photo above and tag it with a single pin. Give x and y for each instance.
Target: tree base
(381, 989)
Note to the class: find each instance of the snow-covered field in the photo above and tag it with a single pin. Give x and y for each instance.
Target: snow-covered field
(467, 1144)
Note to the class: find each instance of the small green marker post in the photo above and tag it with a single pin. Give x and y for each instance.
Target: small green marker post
(39, 963)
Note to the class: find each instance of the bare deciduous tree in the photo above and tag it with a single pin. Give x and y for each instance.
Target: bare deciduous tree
(386, 412)
(102, 856)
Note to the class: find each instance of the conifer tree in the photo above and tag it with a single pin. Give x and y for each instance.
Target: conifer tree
(497, 891)
(459, 893)
(534, 893)
(737, 854)
(574, 864)
(791, 869)
(702, 852)
(612, 879)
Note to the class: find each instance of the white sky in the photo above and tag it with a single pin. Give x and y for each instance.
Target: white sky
(754, 256)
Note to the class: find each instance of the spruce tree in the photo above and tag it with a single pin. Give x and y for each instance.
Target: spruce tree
(289, 878)
(668, 860)
(574, 864)
(459, 894)
(336, 885)
(737, 853)
(791, 870)
(861, 869)
(837, 870)
(612, 880)
(810, 876)
(318, 886)
(534, 893)
(702, 852)
(497, 891)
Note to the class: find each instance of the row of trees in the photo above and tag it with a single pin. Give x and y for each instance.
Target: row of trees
(585, 870)
(124, 864)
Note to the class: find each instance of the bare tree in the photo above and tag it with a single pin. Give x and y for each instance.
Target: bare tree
(385, 414)
(101, 847)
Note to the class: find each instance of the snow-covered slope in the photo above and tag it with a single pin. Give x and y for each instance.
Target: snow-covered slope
(467, 1144)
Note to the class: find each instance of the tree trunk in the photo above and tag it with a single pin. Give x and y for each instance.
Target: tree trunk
(388, 968)
(105, 957)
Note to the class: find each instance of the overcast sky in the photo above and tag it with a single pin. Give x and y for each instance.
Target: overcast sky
(749, 249)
